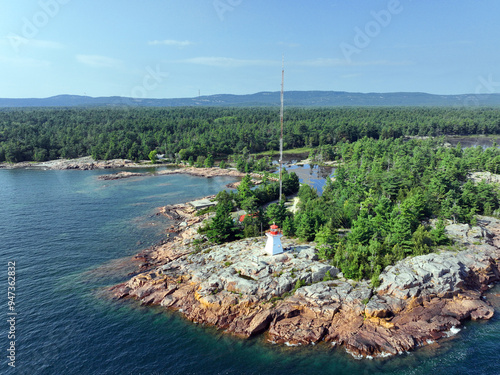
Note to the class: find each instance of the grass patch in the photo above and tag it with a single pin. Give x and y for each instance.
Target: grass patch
(328, 276)
(301, 150)
(206, 210)
(298, 284)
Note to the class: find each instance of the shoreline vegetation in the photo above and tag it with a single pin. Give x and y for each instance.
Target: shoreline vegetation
(197, 133)
(395, 253)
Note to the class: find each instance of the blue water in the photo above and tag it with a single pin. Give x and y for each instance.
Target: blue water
(69, 234)
(313, 175)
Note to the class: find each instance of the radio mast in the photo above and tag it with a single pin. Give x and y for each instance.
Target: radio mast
(281, 122)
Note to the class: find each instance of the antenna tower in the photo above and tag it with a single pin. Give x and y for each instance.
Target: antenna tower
(281, 122)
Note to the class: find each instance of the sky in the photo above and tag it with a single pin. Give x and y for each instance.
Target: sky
(186, 48)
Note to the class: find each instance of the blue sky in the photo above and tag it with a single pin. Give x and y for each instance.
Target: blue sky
(178, 48)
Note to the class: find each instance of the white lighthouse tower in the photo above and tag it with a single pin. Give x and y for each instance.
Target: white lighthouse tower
(273, 244)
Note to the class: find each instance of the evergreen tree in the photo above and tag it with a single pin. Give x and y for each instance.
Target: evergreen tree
(152, 156)
(245, 188)
(422, 241)
(221, 228)
(209, 161)
(277, 213)
(326, 239)
(289, 227)
(304, 224)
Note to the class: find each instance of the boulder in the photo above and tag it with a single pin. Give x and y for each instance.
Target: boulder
(259, 323)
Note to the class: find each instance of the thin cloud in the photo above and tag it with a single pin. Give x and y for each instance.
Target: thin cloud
(290, 45)
(45, 44)
(322, 62)
(19, 41)
(349, 76)
(170, 42)
(227, 62)
(24, 62)
(97, 61)
(434, 45)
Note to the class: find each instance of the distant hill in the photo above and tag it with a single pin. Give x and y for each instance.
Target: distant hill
(292, 98)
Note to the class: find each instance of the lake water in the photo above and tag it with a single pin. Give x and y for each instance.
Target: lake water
(473, 141)
(70, 235)
(312, 174)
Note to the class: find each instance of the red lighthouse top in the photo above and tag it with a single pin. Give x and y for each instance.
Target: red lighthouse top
(274, 230)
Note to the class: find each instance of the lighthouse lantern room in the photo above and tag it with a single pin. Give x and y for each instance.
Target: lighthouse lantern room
(273, 244)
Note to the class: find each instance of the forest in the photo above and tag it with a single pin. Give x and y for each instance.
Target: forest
(390, 197)
(387, 192)
(180, 133)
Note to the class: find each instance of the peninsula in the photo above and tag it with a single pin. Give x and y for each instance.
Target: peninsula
(124, 166)
(296, 299)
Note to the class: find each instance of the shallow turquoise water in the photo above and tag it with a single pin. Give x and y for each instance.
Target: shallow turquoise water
(69, 232)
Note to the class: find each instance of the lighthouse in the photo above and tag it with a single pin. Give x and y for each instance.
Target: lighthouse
(273, 244)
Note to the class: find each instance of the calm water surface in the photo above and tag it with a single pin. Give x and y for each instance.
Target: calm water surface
(70, 235)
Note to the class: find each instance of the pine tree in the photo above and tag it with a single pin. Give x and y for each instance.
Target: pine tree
(277, 213)
(305, 226)
(221, 228)
(209, 161)
(288, 227)
(326, 239)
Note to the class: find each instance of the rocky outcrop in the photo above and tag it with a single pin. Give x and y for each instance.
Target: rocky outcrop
(201, 172)
(88, 163)
(485, 176)
(83, 163)
(296, 299)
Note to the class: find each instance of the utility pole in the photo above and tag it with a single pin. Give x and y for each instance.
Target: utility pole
(281, 122)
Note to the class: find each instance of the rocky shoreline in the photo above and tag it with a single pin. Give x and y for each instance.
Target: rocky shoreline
(296, 299)
(88, 163)
(201, 172)
(84, 163)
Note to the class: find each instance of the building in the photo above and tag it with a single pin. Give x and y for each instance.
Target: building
(273, 244)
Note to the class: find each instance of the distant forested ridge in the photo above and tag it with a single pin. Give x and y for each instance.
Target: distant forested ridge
(181, 133)
(267, 98)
